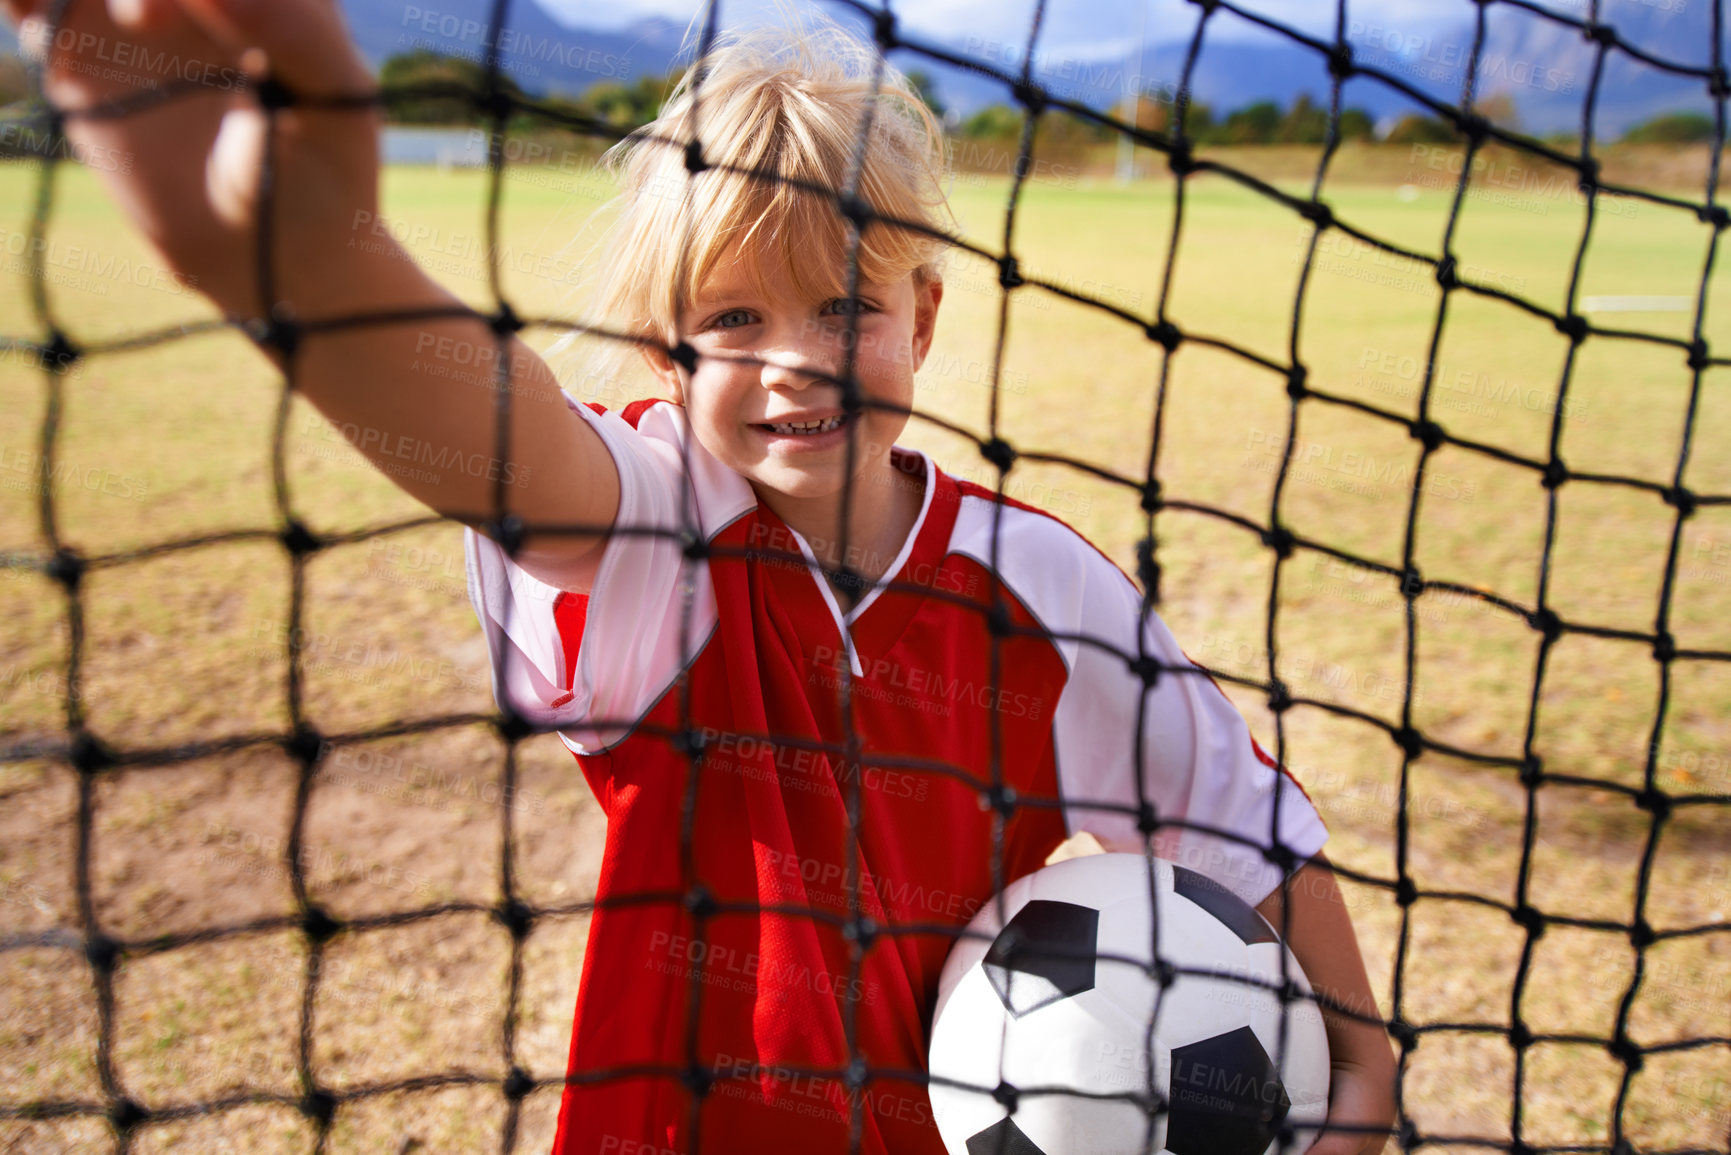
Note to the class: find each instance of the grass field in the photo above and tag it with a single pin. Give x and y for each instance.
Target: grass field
(174, 441)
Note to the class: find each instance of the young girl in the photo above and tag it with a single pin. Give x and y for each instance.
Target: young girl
(750, 981)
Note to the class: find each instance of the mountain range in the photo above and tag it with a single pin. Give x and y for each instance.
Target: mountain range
(1542, 66)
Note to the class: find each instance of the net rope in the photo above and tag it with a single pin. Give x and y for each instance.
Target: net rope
(92, 757)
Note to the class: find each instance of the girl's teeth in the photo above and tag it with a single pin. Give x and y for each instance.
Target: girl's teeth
(806, 427)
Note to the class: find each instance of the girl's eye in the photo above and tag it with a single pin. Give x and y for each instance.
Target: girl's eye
(733, 319)
(847, 307)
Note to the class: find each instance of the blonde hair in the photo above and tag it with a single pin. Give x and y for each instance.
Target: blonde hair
(787, 104)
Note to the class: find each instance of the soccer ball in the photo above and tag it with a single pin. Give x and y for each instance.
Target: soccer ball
(1033, 1009)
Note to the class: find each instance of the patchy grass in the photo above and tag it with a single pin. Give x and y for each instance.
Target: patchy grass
(173, 441)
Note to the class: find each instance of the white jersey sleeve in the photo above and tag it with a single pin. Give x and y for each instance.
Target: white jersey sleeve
(638, 632)
(1200, 766)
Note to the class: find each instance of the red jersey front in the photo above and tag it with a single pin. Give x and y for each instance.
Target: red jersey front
(761, 999)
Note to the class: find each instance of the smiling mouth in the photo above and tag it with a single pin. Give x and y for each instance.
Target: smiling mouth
(805, 428)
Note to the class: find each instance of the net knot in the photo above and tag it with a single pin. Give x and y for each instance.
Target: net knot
(1698, 358)
(275, 332)
(1009, 273)
(1718, 85)
(1664, 646)
(698, 1080)
(1448, 273)
(298, 539)
(1408, 1135)
(1642, 935)
(1520, 1036)
(273, 95)
(497, 103)
(690, 742)
(1006, 1095)
(1031, 96)
(1279, 697)
(66, 567)
(1589, 178)
(319, 1105)
(862, 930)
(1180, 159)
(518, 1084)
(1529, 919)
(318, 925)
(694, 162)
(1573, 326)
(1147, 670)
(1623, 1049)
(505, 321)
(1600, 33)
(1000, 453)
(1411, 582)
(1405, 892)
(1532, 771)
(1410, 741)
(1340, 60)
(507, 531)
(90, 755)
(513, 727)
(60, 354)
(684, 356)
(124, 1115)
(304, 745)
(1682, 499)
(884, 29)
(1547, 623)
(998, 621)
(1002, 798)
(515, 916)
(1280, 540)
(1556, 473)
(700, 903)
(101, 952)
(1405, 1034)
(1295, 382)
(1151, 499)
(1655, 802)
(694, 547)
(1147, 819)
(1317, 213)
(1475, 126)
(1714, 215)
(856, 1074)
(855, 209)
(1429, 434)
(1164, 333)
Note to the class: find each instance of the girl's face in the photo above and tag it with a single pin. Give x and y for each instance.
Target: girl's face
(764, 398)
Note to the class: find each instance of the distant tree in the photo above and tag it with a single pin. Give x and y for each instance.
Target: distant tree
(629, 105)
(1672, 128)
(1416, 129)
(1500, 111)
(1357, 124)
(1304, 123)
(994, 122)
(928, 91)
(426, 67)
(1253, 124)
(1157, 115)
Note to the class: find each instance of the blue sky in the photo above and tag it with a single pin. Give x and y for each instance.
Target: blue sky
(1079, 27)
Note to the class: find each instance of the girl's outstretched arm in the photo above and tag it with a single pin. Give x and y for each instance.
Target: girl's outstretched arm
(186, 171)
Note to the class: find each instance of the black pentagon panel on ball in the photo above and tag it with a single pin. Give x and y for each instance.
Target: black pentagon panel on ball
(1045, 953)
(1227, 1098)
(1002, 1138)
(1233, 912)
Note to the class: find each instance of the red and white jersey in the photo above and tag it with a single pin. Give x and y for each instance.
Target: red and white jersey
(1049, 709)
